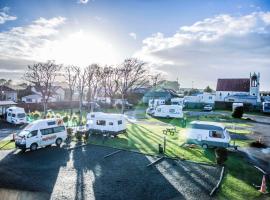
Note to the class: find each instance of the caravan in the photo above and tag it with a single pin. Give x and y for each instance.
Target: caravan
(16, 115)
(168, 111)
(112, 124)
(208, 134)
(266, 107)
(40, 133)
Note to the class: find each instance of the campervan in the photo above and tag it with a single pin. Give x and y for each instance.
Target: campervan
(40, 133)
(16, 115)
(266, 107)
(208, 134)
(168, 111)
(112, 124)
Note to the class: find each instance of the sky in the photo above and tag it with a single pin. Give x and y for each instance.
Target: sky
(193, 41)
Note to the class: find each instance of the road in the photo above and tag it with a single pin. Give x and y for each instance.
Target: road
(83, 173)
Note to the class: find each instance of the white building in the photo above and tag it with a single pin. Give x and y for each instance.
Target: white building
(36, 98)
(7, 93)
(244, 90)
(203, 97)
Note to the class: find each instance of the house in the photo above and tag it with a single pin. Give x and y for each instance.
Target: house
(165, 94)
(4, 105)
(243, 90)
(201, 97)
(7, 93)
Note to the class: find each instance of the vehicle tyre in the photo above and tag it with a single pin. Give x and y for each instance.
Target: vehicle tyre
(23, 150)
(58, 142)
(48, 146)
(33, 147)
(205, 146)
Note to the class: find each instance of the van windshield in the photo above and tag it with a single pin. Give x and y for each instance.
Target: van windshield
(21, 115)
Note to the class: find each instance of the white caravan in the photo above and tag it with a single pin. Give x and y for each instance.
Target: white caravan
(168, 111)
(208, 134)
(99, 122)
(16, 115)
(155, 102)
(266, 107)
(40, 133)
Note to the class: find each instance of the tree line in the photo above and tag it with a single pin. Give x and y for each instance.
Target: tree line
(90, 81)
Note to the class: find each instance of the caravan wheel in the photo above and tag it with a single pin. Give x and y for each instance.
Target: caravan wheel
(205, 146)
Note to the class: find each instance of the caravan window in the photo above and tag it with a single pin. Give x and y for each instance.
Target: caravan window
(120, 122)
(9, 114)
(93, 116)
(216, 134)
(13, 115)
(172, 110)
(159, 109)
(111, 123)
(101, 122)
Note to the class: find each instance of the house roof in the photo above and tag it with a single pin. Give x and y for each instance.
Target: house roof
(7, 103)
(6, 89)
(235, 85)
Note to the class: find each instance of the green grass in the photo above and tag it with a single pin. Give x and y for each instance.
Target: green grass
(240, 131)
(6, 145)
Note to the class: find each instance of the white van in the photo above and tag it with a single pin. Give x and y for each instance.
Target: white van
(40, 133)
(208, 134)
(168, 111)
(99, 122)
(16, 115)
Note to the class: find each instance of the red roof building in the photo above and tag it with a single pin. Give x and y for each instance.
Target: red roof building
(233, 85)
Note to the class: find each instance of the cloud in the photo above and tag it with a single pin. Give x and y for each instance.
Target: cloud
(4, 16)
(222, 46)
(83, 1)
(133, 35)
(24, 42)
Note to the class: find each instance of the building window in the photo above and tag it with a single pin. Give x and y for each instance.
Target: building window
(253, 94)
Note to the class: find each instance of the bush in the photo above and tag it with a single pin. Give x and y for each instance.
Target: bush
(221, 155)
(86, 136)
(58, 115)
(69, 132)
(66, 118)
(238, 112)
(36, 115)
(78, 135)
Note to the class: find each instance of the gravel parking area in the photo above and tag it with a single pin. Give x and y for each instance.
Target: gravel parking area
(83, 173)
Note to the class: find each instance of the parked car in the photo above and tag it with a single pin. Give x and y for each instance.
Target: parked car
(207, 108)
(208, 134)
(16, 115)
(109, 123)
(41, 133)
(93, 104)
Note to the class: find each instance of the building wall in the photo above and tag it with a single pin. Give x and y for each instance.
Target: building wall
(11, 96)
(221, 95)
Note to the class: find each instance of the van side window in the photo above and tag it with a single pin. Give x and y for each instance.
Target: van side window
(172, 110)
(58, 129)
(32, 134)
(9, 114)
(46, 131)
(111, 123)
(13, 115)
(216, 134)
(120, 122)
(51, 123)
(101, 122)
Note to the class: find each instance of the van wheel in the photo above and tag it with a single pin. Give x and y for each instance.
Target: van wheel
(33, 147)
(205, 146)
(58, 142)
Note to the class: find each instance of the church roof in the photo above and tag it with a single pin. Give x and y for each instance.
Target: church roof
(234, 85)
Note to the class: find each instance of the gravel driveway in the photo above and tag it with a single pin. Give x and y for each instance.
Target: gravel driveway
(84, 174)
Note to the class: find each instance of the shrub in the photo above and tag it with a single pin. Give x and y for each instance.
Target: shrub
(86, 136)
(36, 115)
(66, 118)
(221, 155)
(78, 135)
(58, 115)
(238, 112)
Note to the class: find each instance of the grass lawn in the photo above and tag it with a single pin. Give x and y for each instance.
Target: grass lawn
(6, 145)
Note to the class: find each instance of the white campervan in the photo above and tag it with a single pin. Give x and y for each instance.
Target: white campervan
(99, 122)
(16, 115)
(40, 133)
(208, 134)
(168, 111)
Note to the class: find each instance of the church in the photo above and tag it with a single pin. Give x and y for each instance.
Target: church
(244, 90)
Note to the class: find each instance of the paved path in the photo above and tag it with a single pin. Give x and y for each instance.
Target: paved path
(84, 174)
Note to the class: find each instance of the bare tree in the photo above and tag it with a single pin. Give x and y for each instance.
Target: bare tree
(81, 84)
(42, 75)
(155, 79)
(133, 75)
(3, 82)
(90, 73)
(70, 75)
(113, 83)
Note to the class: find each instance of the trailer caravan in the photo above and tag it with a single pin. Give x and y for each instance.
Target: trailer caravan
(168, 111)
(266, 107)
(208, 134)
(112, 124)
(41, 133)
(156, 102)
(16, 115)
